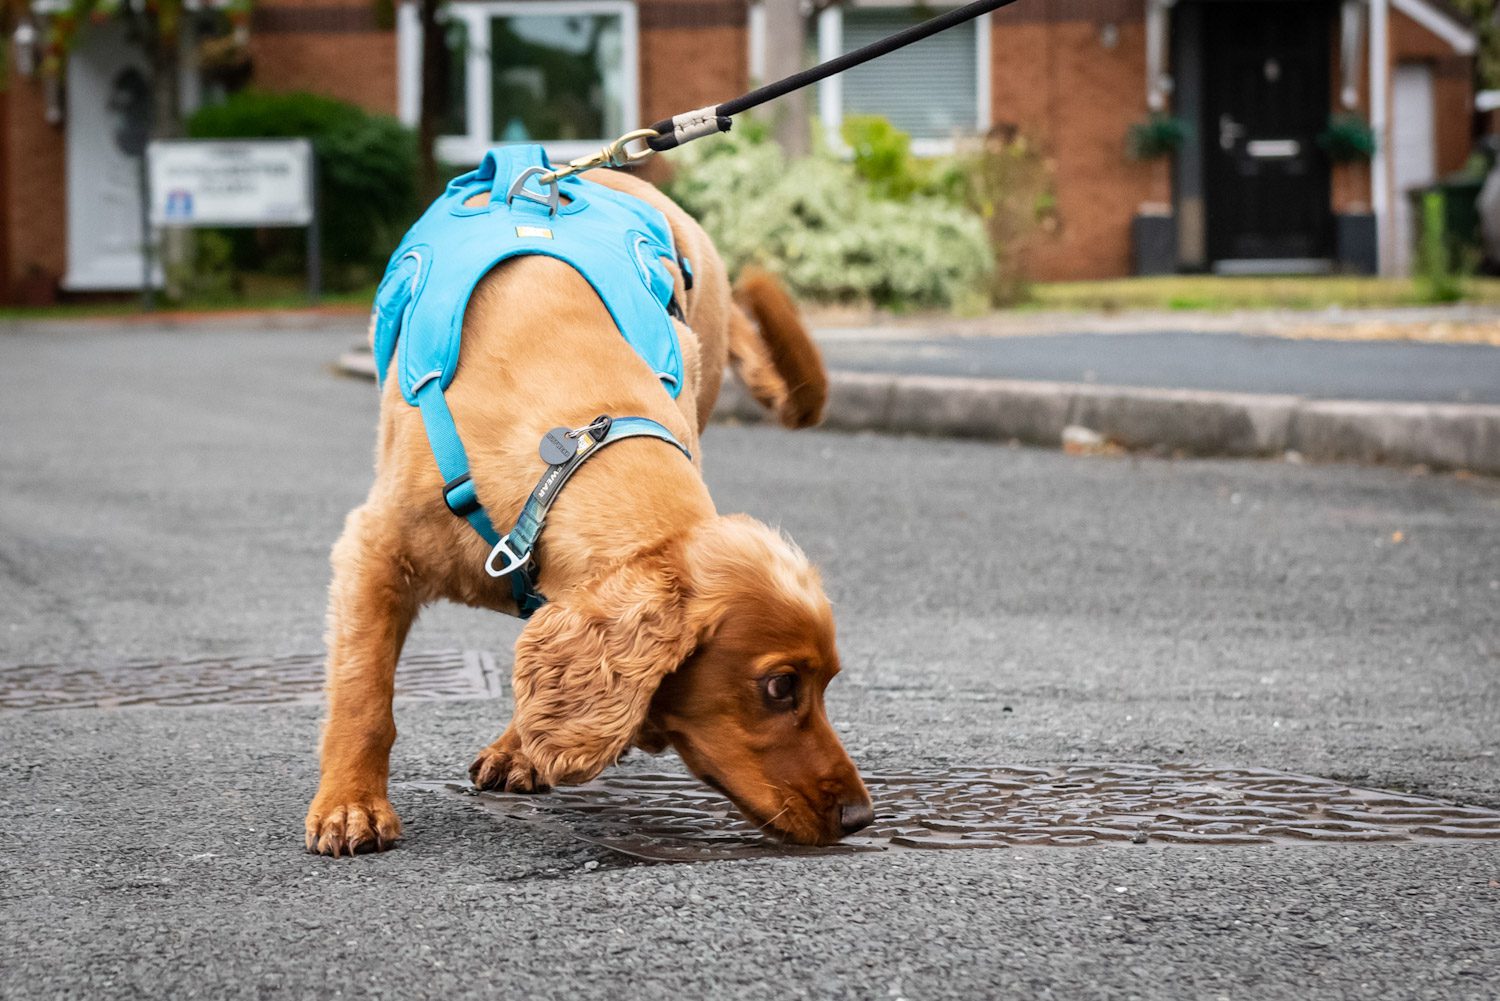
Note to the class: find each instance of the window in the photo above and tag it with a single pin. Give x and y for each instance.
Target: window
(562, 74)
(936, 89)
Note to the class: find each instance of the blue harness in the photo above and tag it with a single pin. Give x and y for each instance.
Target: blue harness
(617, 242)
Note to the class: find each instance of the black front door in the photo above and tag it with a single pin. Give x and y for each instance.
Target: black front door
(1266, 67)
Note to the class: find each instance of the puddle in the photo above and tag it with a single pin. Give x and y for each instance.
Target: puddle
(672, 818)
(216, 681)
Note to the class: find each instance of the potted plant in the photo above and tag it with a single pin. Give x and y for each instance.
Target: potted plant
(1153, 231)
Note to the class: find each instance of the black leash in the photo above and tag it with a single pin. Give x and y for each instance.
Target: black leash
(673, 132)
(669, 133)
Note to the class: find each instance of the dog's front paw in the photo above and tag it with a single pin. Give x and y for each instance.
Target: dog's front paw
(503, 767)
(351, 825)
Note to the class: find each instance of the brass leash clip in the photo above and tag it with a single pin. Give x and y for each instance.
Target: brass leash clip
(616, 154)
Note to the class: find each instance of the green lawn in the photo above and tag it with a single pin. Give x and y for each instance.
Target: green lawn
(261, 292)
(1211, 292)
(1173, 292)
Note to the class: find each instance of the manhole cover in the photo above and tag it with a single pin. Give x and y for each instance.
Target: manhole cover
(450, 674)
(672, 818)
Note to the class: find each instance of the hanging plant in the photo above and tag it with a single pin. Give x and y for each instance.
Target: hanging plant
(155, 22)
(1158, 136)
(1347, 138)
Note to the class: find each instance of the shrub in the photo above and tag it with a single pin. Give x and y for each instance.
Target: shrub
(1347, 138)
(1442, 268)
(1158, 136)
(367, 167)
(1006, 180)
(835, 230)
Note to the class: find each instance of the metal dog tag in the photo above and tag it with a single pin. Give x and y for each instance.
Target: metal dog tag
(558, 447)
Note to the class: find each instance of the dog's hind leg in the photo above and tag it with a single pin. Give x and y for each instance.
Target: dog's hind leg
(371, 607)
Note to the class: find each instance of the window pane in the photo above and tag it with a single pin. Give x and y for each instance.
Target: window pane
(557, 76)
(455, 120)
(929, 89)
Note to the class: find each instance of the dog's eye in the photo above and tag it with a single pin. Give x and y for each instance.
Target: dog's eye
(781, 687)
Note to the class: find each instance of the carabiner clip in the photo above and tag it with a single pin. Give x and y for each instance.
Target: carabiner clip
(616, 154)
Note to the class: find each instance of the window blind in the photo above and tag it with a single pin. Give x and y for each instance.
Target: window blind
(929, 89)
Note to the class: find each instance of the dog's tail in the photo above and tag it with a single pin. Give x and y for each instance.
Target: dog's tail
(778, 362)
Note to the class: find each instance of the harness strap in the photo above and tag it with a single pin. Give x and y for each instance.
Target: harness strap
(452, 460)
(519, 543)
(460, 497)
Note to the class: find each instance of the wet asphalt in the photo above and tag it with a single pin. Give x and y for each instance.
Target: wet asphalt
(171, 494)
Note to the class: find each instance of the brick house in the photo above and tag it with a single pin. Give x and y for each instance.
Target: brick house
(1250, 189)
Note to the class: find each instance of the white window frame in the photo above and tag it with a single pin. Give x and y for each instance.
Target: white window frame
(831, 91)
(477, 140)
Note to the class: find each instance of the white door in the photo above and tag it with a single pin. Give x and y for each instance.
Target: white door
(1413, 150)
(105, 73)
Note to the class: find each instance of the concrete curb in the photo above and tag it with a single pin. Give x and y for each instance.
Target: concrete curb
(1438, 435)
(1441, 436)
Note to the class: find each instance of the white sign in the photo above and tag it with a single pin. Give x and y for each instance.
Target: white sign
(231, 182)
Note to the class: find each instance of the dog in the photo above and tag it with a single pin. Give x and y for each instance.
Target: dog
(667, 624)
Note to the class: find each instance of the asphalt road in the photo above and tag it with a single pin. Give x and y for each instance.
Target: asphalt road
(1333, 370)
(172, 494)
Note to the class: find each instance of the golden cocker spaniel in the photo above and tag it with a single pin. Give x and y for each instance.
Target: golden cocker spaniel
(668, 623)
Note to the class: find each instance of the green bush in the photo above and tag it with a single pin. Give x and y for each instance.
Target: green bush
(835, 230)
(1007, 181)
(1347, 138)
(367, 168)
(1442, 268)
(1158, 136)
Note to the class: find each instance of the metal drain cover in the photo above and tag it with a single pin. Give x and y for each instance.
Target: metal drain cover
(446, 674)
(672, 818)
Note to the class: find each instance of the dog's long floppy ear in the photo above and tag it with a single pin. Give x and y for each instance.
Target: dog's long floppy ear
(588, 664)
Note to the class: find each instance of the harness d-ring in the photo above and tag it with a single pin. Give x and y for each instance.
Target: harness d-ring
(518, 188)
(513, 561)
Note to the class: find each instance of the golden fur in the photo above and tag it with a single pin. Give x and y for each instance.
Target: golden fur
(647, 583)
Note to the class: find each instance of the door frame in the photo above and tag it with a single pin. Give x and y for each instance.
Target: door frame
(1190, 65)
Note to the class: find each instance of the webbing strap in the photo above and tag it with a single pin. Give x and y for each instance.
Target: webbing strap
(521, 539)
(452, 460)
(529, 525)
(459, 494)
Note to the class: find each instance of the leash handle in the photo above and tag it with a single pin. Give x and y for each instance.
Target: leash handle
(673, 132)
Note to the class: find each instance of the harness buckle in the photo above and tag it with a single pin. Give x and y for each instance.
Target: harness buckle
(513, 561)
(461, 504)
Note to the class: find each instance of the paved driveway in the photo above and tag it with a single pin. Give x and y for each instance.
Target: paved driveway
(169, 495)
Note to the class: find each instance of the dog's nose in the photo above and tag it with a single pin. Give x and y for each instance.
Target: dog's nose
(856, 816)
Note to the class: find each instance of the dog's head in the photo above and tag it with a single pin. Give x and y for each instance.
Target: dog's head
(721, 645)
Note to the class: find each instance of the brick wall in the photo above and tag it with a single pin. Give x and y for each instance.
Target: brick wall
(692, 54)
(5, 174)
(332, 47)
(1054, 77)
(1349, 187)
(34, 192)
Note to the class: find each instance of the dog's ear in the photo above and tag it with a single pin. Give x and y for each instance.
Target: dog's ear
(588, 664)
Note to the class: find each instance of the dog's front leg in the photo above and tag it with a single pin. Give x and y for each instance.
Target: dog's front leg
(371, 607)
(504, 767)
